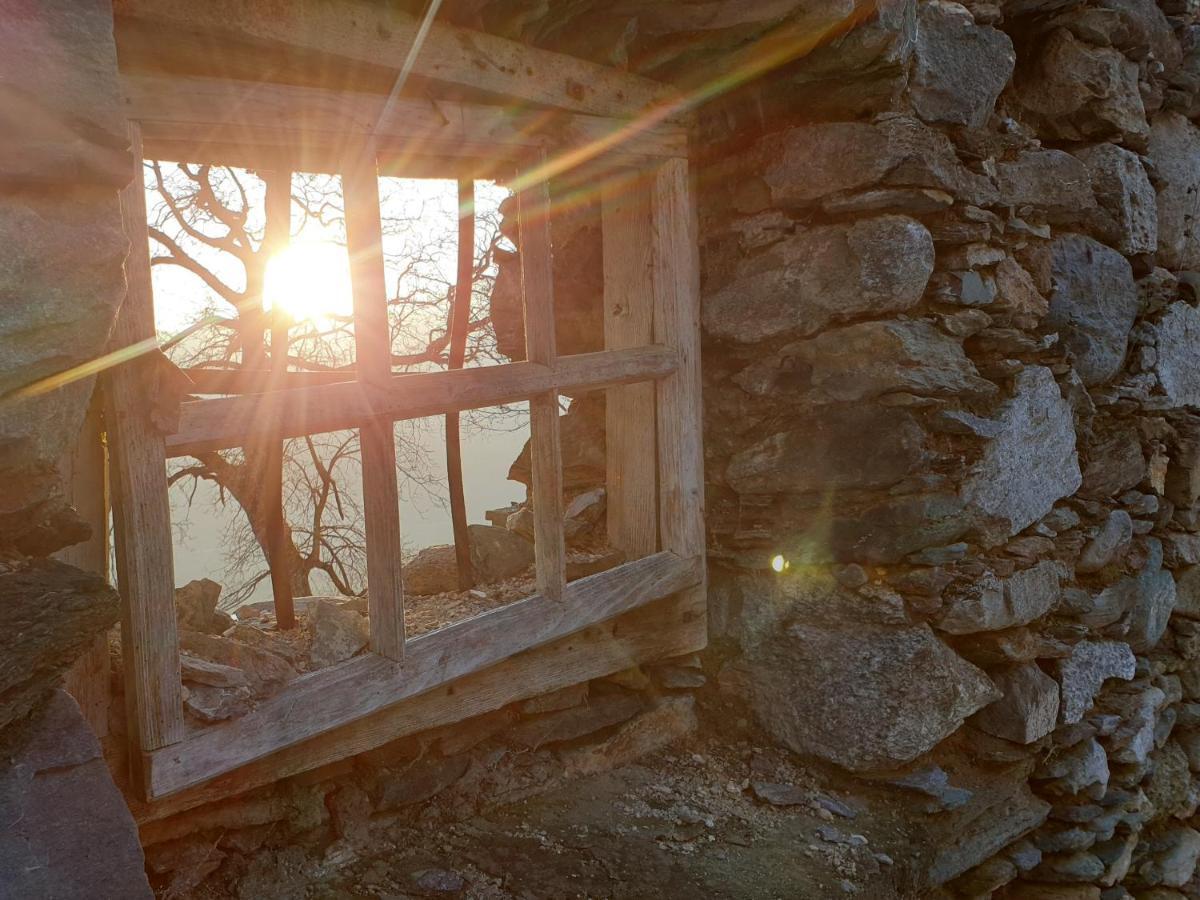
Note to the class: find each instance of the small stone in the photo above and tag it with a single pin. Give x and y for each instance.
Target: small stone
(214, 704)
(201, 671)
(1027, 711)
(1075, 770)
(337, 633)
(1100, 550)
(992, 604)
(779, 794)
(439, 881)
(1082, 674)
(933, 782)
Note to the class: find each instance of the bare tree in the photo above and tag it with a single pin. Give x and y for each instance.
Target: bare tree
(210, 222)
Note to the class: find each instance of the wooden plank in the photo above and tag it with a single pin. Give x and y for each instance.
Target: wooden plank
(537, 276)
(376, 34)
(631, 479)
(231, 421)
(676, 264)
(259, 381)
(373, 361)
(84, 471)
(226, 109)
(142, 514)
(336, 696)
(661, 629)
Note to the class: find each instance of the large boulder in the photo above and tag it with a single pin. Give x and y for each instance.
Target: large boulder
(496, 553)
(1029, 708)
(1051, 181)
(1077, 92)
(49, 614)
(63, 141)
(869, 359)
(838, 448)
(67, 833)
(1174, 148)
(196, 607)
(824, 274)
(959, 68)
(811, 162)
(1032, 461)
(1093, 305)
(1128, 213)
(989, 603)
(1177, 344)
(839, 675)
(1083, 673)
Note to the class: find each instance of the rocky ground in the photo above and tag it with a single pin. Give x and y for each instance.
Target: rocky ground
(710, 816)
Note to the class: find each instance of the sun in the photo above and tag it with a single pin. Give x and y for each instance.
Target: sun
(310, 281)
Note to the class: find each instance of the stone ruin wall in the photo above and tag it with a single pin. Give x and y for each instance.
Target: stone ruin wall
(952, 370)
(951, 351)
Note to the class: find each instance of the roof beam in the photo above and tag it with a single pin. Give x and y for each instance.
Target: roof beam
(373, 34)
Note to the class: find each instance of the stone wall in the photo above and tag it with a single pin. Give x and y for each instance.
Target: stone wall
(952, 340)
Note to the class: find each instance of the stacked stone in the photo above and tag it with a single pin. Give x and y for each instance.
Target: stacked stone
(952, 345)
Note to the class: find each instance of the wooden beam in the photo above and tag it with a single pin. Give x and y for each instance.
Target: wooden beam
(216, 111)
(537, 282)
(142, 514)
(630, 460)
(376, 34)
(84, 471)
(231, 421)
(259, 381)
(324, 700)
(661, 629)
(373, 361)
(676, 266)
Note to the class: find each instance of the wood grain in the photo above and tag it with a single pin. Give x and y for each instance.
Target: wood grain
(376, 34)
(373, 349)
(662, 628)
(172, 107)
(84, 471)
(231, 421)
(537, 282)
(327, 699)
(630, 443)
(142, 514)
(675, 261)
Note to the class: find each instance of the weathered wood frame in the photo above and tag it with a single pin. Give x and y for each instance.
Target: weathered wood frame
(649, 366)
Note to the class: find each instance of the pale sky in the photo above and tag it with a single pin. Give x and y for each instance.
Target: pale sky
(425, 213)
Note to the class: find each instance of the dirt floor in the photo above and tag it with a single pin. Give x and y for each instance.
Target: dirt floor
(686, 823)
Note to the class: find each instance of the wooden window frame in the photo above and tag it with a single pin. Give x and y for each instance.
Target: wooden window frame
(562, 634)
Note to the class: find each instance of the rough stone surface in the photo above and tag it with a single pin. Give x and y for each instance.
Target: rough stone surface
(265, 671)
(1177, 342)
(1093, 305)
(67, 832)
(822, 275)
(959, 67)
(910, 691)
(1078, 92)
(867, 360)
(991, 604)
(1032, 462)
(1051, 180)
(49, 614)
(1116, 532)
(1174, 148)
(1082, 674)
(196, 607)
(338, 633)
(1123, 191)
(834, 451)
(1029, 708)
